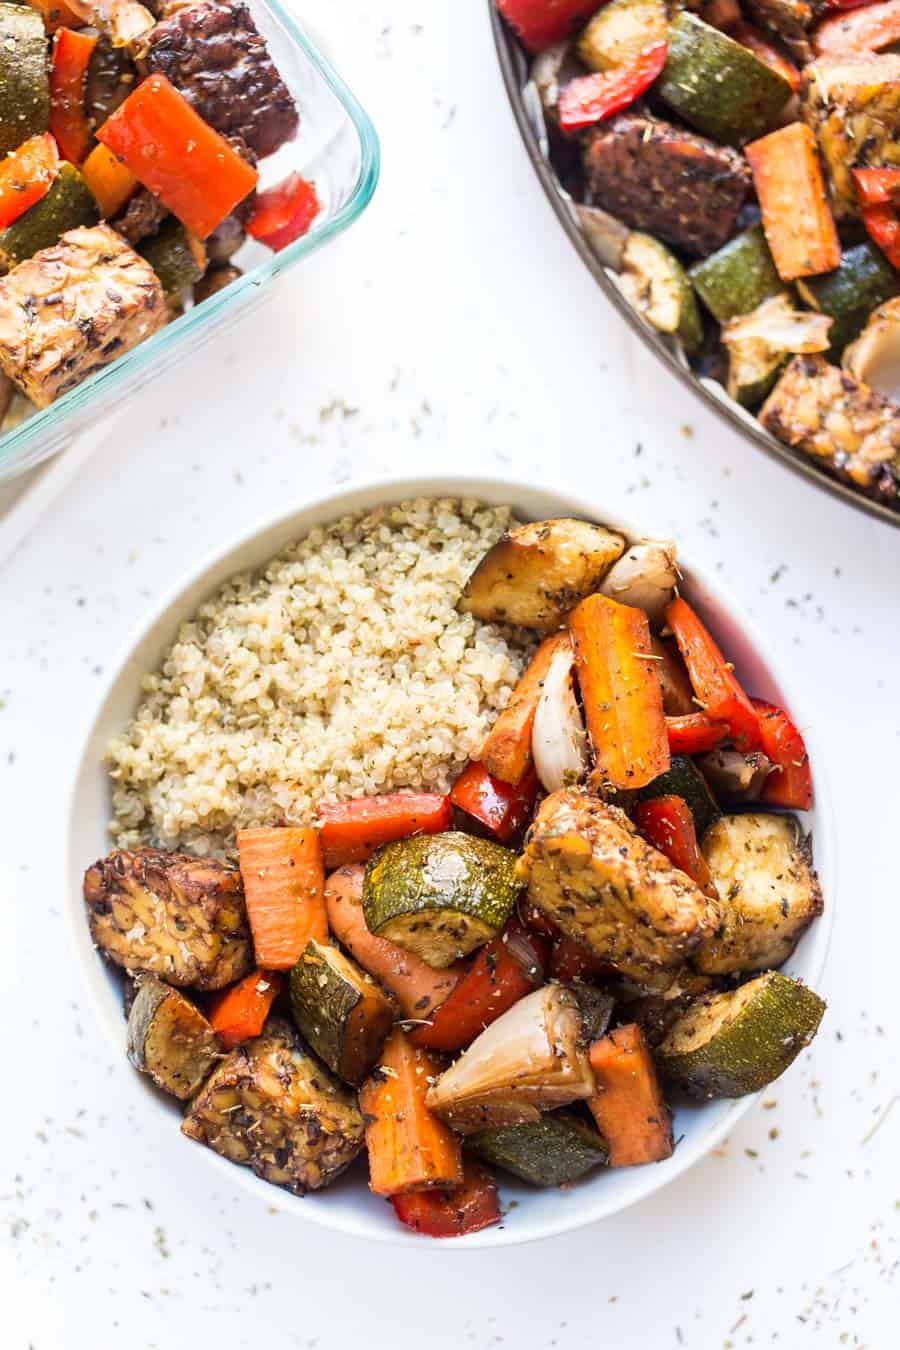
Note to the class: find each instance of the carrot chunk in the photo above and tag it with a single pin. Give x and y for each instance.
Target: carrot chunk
(796, 217)
(240, 1012)
(506, 754)
(629, 1106)
(352, 831)
(284, 885)
(111, 181)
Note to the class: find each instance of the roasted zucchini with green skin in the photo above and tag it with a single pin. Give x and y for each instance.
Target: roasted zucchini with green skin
(717, 85)
(864, 280)
(620, 31)
(69, 204)
(553, 1151)
(657, 287)
(177, 257)
(768, 893)
(24, 76)
(170, 1039)
(737, 277)
(760, 343)
(683, 779)
(536, 573)
(341, 1011)
(272, 1107)
(727, 1045)
(440, 895)
(170, 914)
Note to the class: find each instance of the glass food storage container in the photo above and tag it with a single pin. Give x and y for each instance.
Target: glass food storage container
(336, 147)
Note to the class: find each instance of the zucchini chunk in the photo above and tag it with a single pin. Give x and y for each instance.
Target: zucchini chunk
(170, 914)
(271, 1107)
(727, 1045)
(177, 257)
(440, 895)
(588, 870)
(848, 295)
(24, 76)
(738, 277)
(68, 205)
(536, 573)
(530, 1060)
(656, 285)
(170, 1039)
(553, 1151)
(768, 893)
(760, 343)
(683, 779)
(618, 34)
(340, 1010)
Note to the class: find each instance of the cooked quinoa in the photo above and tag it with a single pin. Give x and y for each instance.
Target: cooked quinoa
(341, 669)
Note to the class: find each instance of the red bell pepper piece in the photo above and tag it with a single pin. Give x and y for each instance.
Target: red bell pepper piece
(536, 921)
(177, 156)
(715, 685)
(26, 175)
(500, 807)
(695, 734)
(540, 23)
(352, 831)
(282, 214)
(465, 1209)
(667, 823)
(790, 783)
(69, 124)
(241, 1011)
(753, 40)
(883, 225)
(877, 187)
(572, 960)
(592, 98)
(503, 971)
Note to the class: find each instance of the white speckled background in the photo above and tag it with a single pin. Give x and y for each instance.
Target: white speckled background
(453, 328)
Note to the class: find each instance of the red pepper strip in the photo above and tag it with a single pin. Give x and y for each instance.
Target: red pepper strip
(241, 1011)
(284, 213)
(26, 176)
(500, 807)
(667, 823)
(753, 40)
(540, 23)
(466, 1209)
(883, 225)
(572, 960)
(352, 831)
(877, 187)
(718, 691)
(178, 156)
(592, 98)
(503, 971)
(536, 921)
(847, 4)
(69, 124)
(790, 783)
(695, 734)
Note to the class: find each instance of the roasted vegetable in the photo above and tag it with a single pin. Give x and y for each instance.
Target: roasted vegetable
(738, 277)
(536, 573)
(735, 775)
(797, 220)
(555, 1150)
(467, 1208)
(589, 871)
(657, 286)
(669, 182)
(284, 885)
(790, 20)
(694, 733)
(284, 213)
(171, 915)
(848, 428)
(594, 98)
(272, 1107)
(110, 182)
(853, 106)
(789, 781)
(500, 809)
(170, 1039)
(110, 79)
(859, 31)
(765, 49)
(768, 892)
(619, 32)
(440, 896)
(716, 686)
(726, 1045)
(539, 24)
(68, 205)
(353, 831)
(240, 1013)
(214, 281)
(177, 257)
(142, 215)
(645, 578)
(606, 235)
(874, 358)
(121, 21)
(628, 1105)
(341, 1011)
(69, 123)
(506, 753)
(410, 1149)
(530, 1060)
(667, 824)
(559, 742)
(761, 342)
(717, 85)
(24, 77)
(849, 295)
(683, 779)
(678, 696)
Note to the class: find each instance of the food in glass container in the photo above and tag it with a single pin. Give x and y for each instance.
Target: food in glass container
(403, 954)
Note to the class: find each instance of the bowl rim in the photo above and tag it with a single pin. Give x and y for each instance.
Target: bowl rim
(365, 493)
(508, 54)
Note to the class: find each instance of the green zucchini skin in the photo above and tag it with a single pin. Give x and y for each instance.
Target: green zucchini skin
(24, 76)
(553, 1151)
(658, 287)
(754, 1033)
(340, 1011)
(864, 280)
(440, 895)
(738, 277)
(683, 779)
(69, 204)
(717, 85)
(177, 257)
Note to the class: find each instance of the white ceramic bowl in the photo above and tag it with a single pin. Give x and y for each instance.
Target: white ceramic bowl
(348, 1206)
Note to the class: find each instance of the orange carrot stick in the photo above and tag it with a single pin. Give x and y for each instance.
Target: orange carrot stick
(621, 691)
(284, 879)
(629, 1106)
(506, 754)
(111, 181)
(410, 1149)
(240, 1012)
(796, 217)
(417, 988)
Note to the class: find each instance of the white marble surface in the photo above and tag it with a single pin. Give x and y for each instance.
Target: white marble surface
(452, 328)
